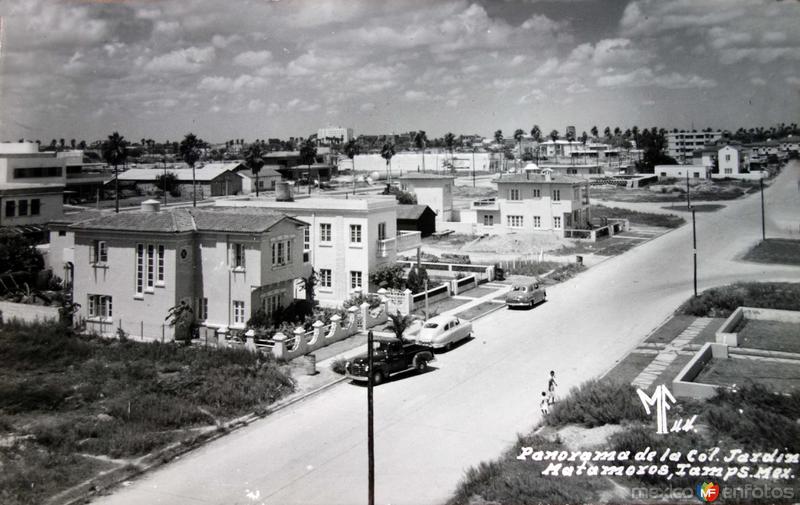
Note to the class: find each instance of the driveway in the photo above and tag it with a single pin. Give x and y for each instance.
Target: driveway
(430, 428)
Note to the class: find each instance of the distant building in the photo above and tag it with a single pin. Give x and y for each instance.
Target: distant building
(334, 135)
(570, 132)
(31, 185)
(211, 179)
(695, 172)
(433, 190)
(348, 238)
(419, 218)
(267, 178)
(681, 145)
(129, 269)
(732, 162)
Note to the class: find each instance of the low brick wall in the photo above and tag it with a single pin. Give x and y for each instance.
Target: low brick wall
(28, 313)
(684, 386)
(726, 334)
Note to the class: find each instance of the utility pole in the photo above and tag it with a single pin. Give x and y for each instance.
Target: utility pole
(694, 250)
(473, 166)
(763, 224)
(688, 199)
(370, 431)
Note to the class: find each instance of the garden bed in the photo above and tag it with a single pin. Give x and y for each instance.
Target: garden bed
(769, 335)
(722, 301)
(121, 399)
(774, 250)
(783, 377)
(479, 310)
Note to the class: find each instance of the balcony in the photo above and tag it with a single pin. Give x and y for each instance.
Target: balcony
(486, 204)
(402, 242)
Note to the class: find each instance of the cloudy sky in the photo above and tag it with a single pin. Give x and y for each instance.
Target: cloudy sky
(274, 68)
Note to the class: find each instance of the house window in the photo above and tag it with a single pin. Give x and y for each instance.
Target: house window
(728, 170)
(23, 207)
(488, 220)
(161, 264)
(36, 206)
(557, 222)
(202, 309)
(139, 268)
(537, 221)
(381, 231)
(238, 312)
(697, 175)
(537, 193)
(355, 279)
(513, 194)
(278, 257)
(100, 306)
(325, 232)
(355, 233)
(151, 265)
(727, 157)
(514, 221)
(306, 238)
(556, 195)
(99, 251)
(62, 233)
(663, 174)
(238, 255)
(325, 278)
(11, 207)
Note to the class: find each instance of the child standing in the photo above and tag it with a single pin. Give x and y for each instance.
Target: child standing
(544, 404)
(551, 387)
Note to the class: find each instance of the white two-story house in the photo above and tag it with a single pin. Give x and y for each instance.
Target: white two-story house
(348, 238)
(31, 185)
(131, 268)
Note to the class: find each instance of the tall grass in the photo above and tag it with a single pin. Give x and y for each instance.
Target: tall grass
(636, 217)
(595, 403)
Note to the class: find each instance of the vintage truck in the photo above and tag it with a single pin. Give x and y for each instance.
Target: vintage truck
(525, 294)
(391, 356)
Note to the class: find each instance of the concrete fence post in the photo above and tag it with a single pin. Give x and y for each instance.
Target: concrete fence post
(279, 349)
(250, 342)
(222, 336)
(316, 334)
(364, 316)
(299, 342)
(408, 301)
(352, 315)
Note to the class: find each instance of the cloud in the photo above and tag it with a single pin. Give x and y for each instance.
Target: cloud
(646, 77)
(253, 58)
(413, 95)
(188, 60)
(758, 81)
(230, 85)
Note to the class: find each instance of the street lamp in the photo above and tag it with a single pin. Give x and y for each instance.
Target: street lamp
(473, 166)
(694, 248)
(370, 430)
(763, 225)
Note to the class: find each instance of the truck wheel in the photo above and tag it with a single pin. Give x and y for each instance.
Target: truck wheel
(422, 365)
(377, 377)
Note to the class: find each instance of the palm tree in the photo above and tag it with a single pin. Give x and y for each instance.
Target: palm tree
(607, 133)
(498, 136)
(190, 153)
(387, 151)
(308, 155)
(420, 139)
(554, 135)
(61, 143)
(584, 137)
(254, 159)
(72, 143)
(449, 142)
(594, 131)
(114, 153)
(351, 150)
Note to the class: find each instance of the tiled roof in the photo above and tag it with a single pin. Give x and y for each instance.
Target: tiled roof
(539, 179)
(221, 219)
(410, 211)
(264, 172)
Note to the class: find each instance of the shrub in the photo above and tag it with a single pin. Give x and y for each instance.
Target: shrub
(338, 366)
(722, 301)
(596, 403)
(26, 396)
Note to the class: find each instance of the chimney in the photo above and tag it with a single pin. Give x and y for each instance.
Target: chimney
(151, 206)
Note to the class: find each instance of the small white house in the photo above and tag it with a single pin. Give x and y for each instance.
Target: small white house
(695, 172)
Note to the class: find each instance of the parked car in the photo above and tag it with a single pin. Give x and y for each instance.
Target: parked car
(390, 357)
(443, 331)
(525, 294)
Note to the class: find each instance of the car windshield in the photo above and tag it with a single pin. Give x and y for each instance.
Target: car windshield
(431, 325)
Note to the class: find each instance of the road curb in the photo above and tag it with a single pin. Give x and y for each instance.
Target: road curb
(99, 484)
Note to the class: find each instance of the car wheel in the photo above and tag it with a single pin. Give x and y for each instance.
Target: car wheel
(448, 347)
(377, 377)
(422, 365)
(532, 304)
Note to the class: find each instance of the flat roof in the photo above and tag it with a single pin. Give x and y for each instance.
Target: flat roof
(315, 203)
(539, 179)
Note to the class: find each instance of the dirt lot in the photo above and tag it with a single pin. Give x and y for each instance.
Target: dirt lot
(705, 190)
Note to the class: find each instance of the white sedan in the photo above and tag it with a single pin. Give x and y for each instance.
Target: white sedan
(443, 331)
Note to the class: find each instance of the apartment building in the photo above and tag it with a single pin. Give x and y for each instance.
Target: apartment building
(535, 203)
(129, 269)
(335, 135)
(682, 145)
(31, 185)
(348, 238)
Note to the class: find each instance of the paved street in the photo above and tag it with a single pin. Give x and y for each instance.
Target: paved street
(474, 401)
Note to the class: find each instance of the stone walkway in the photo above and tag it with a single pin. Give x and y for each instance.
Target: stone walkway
(668, 352)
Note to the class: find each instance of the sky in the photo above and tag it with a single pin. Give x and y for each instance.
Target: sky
(278, 68)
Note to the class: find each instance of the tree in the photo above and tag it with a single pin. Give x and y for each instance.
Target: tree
(114, 153)
(190, 153)
(607, 133)
(400, 324)
(449, 142)
(309, 282)
(403, 197)
(518, 134)
(81, 144)
(416, 279)
(387, 152)
(72, 143)
(594, 131)
(389, 277)
(167, 182)
(584, 137)
(308, 155)
(420, 140)
(351, 150)
(554, 135)
(181, 317)
(536, 133)
(254, 159)
(19, 255)
(498, 136)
